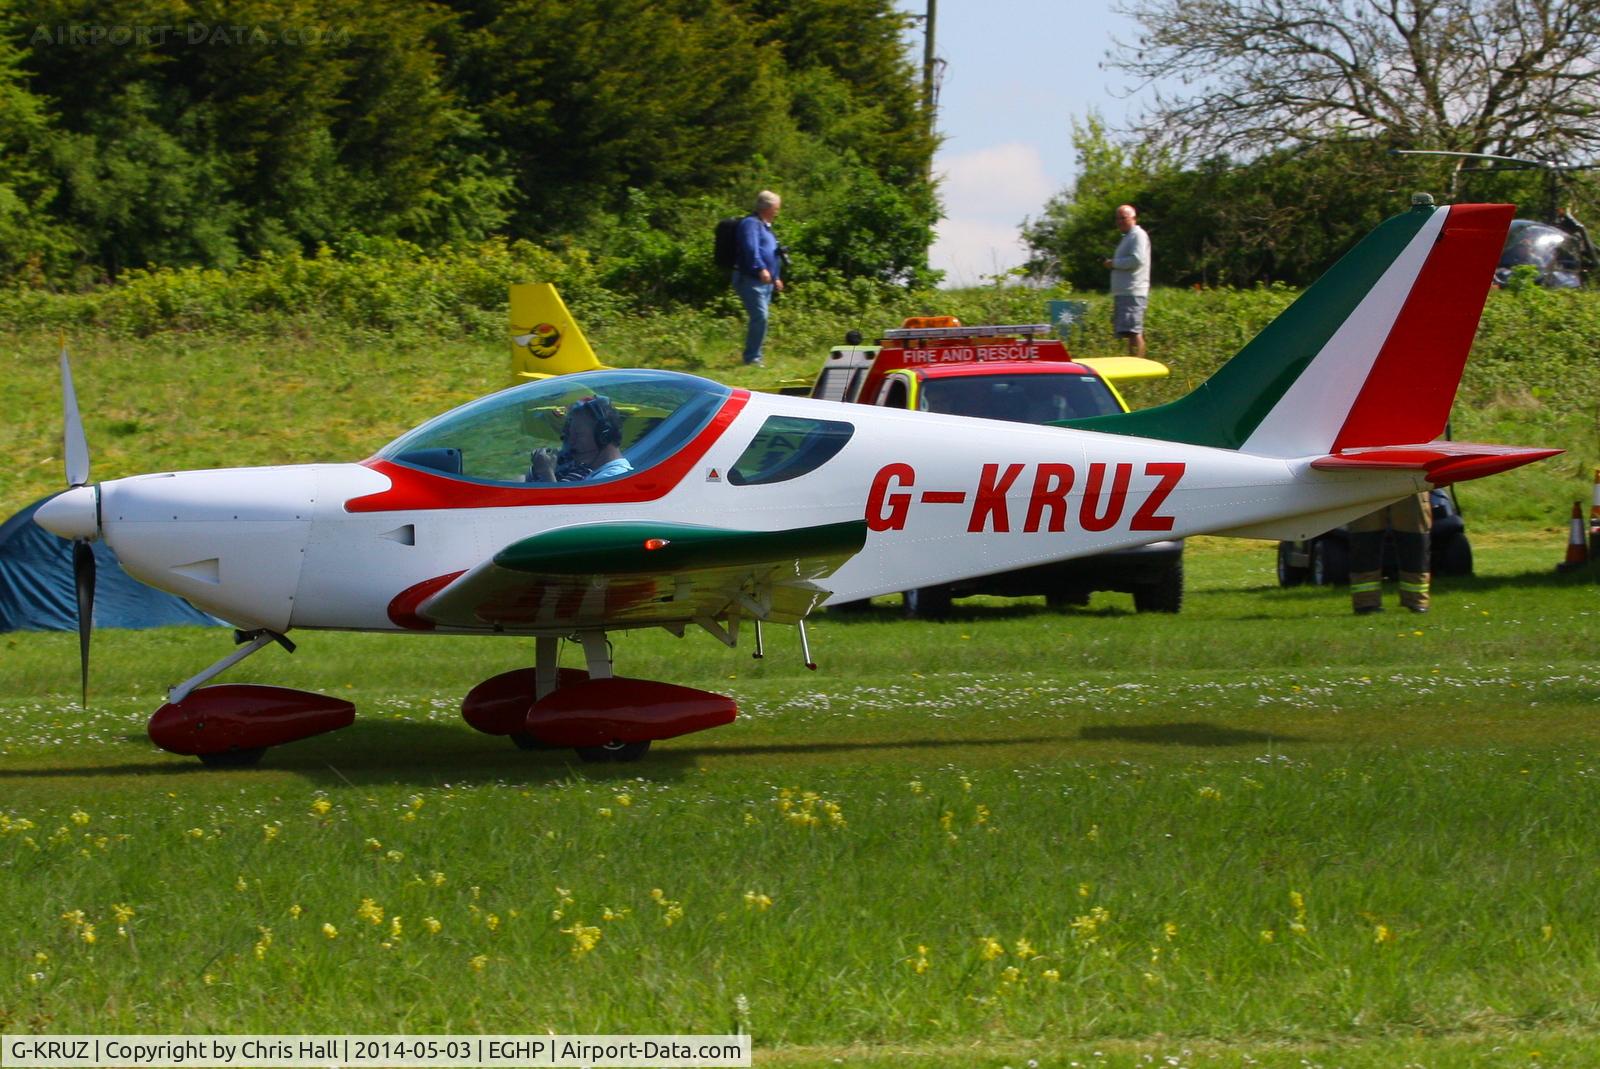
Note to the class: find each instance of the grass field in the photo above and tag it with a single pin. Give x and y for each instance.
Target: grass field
(1262, 832)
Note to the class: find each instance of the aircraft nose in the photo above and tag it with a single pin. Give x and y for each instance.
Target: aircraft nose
(74, 513)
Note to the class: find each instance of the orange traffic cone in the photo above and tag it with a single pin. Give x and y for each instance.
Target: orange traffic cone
(1577, 544)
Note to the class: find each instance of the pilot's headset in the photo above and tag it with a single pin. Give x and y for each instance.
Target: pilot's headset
(607, 425)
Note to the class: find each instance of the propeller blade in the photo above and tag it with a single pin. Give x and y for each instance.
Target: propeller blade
(83, 576)
(76, 442)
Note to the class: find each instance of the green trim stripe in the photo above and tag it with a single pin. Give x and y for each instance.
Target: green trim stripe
(1227, 407)
(619, 548)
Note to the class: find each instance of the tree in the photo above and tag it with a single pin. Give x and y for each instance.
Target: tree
(1514, 77)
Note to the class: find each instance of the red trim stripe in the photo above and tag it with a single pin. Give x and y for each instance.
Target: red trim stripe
(1408, 392)
(413, 488)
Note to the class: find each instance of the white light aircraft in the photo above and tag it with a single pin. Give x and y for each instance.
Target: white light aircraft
(575, 506)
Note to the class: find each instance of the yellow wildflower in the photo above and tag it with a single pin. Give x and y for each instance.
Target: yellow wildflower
(74, 917)
(295, 911)
(624, 799)
(437, 878)
(269, 832)
(604, 812)
(1010, 975)
(195, 833)
(1170, 930)
(432, 924)
(1382, 934)
(916, 786)
(756, 901)
(1052, 975)
(79, 817)
(40, 957)
(1268, 935)
(329, 930)
(990, 948)
(123, 913)
(1210, 793)
(374, 845)
(1093, 834)
(321, 806)
(240, 885)
(584, 938)
(263, 943)
(478, 962)
(416, 801)
(370, 911)
(1548, 931)
(394, 857)
(921, 965)
(1025, 950)
(86, 933)
(1083, 890)
(492, 922)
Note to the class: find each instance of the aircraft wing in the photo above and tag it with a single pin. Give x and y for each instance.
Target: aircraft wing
(640, 574)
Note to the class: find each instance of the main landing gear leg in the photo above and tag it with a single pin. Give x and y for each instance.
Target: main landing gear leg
(597, 657)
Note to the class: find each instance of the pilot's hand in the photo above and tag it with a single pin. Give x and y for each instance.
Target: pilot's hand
(543, 469)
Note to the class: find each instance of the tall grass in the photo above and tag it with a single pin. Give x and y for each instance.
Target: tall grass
(1262, 829)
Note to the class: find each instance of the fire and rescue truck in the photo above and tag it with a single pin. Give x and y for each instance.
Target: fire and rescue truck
(1019, 373)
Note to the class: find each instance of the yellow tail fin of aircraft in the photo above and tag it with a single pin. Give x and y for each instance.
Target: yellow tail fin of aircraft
(545, 339)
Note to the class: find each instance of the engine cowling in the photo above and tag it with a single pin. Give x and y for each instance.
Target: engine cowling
(245, 716)
(598, 712)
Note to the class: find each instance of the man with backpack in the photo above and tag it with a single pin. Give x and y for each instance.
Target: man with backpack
(756, 262)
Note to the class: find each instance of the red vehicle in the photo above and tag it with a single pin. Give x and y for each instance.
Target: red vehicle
(1020, 374)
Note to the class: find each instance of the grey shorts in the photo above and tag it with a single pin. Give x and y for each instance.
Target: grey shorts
(1127, 314)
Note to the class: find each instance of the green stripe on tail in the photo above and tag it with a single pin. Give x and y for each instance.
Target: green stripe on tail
(1227, 407)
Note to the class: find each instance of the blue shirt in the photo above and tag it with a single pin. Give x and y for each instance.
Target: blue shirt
(757, 248)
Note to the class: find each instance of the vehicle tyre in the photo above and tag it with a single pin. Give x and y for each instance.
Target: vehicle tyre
(614, 751)
(248, 757)
(1163, 595)
(1456, 559)
(1289, 573)
(929, 602)
(1330, 562)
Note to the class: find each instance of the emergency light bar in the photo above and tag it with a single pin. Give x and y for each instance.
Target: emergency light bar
(931, 333)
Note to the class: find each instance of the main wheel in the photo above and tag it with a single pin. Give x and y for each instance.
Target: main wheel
(237, 758)
(1165, 594)
(614, 751)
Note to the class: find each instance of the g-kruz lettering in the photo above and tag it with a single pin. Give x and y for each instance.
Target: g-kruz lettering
(1101, 505)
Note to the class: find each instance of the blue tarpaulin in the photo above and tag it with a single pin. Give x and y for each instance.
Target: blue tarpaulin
(36, 587)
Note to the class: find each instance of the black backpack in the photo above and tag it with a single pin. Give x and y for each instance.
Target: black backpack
(725, 249)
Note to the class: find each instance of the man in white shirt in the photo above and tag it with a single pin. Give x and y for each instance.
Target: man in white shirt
(1130, 279)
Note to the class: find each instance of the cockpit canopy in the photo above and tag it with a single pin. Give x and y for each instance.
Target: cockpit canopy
(493, 439)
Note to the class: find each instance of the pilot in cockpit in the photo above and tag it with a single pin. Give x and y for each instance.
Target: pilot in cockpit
(591, 446)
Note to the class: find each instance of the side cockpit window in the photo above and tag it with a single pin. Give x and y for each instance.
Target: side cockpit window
(787, 447)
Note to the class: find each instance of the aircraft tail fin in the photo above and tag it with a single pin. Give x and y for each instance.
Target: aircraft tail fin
(1370, 355)
(545, 339)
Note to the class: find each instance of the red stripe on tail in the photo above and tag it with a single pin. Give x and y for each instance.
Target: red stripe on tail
(1408, 393)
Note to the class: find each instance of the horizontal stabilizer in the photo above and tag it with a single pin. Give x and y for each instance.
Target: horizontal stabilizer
(1440, 462)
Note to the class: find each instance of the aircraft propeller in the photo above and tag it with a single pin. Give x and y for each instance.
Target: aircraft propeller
(83, 569)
